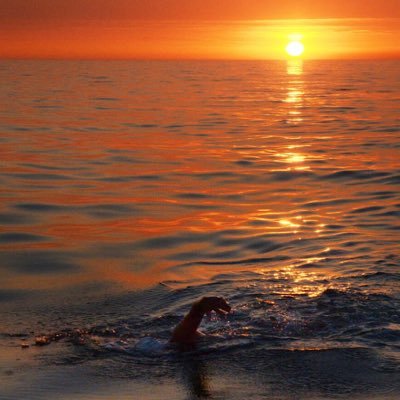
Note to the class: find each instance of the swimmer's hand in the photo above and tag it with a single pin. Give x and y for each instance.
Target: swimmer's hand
(186, 331)
(217, 304)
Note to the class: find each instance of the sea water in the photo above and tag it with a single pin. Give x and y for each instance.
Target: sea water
(130, 189)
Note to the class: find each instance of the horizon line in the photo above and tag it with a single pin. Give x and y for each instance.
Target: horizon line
(50, 58)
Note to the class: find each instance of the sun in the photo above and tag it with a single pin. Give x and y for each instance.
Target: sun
(295, 48)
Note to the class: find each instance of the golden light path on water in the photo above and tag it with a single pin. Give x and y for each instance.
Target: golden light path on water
(304, 280)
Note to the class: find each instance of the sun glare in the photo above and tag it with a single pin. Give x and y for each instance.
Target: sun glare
(295, 48)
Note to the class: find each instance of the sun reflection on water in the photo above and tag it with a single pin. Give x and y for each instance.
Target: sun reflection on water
(294, 67)
(286, 222)
(294, 96)
(292, 158)
(295, 160)
(295, 91)
(297, 282)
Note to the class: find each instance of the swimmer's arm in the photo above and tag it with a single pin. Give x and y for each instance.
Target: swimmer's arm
(186, 331)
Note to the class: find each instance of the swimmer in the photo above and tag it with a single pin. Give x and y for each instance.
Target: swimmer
(186, 333)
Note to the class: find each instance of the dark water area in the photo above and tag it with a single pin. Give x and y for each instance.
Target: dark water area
(131, 189)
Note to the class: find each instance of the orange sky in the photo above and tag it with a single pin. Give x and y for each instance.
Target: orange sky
(229, 29)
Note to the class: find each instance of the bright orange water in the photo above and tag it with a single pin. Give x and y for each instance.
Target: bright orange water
(128, 171)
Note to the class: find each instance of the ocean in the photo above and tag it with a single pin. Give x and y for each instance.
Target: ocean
(131, 189)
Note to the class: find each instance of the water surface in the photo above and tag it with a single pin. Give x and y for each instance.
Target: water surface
(130, 189)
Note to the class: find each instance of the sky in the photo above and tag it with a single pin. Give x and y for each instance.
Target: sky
(198, 29)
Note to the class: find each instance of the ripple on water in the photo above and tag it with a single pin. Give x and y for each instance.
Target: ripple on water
(15, 237)
(39, 262)
(112, 210)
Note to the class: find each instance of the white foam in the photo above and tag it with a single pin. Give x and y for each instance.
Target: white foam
(150, 345)
(147, 345)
